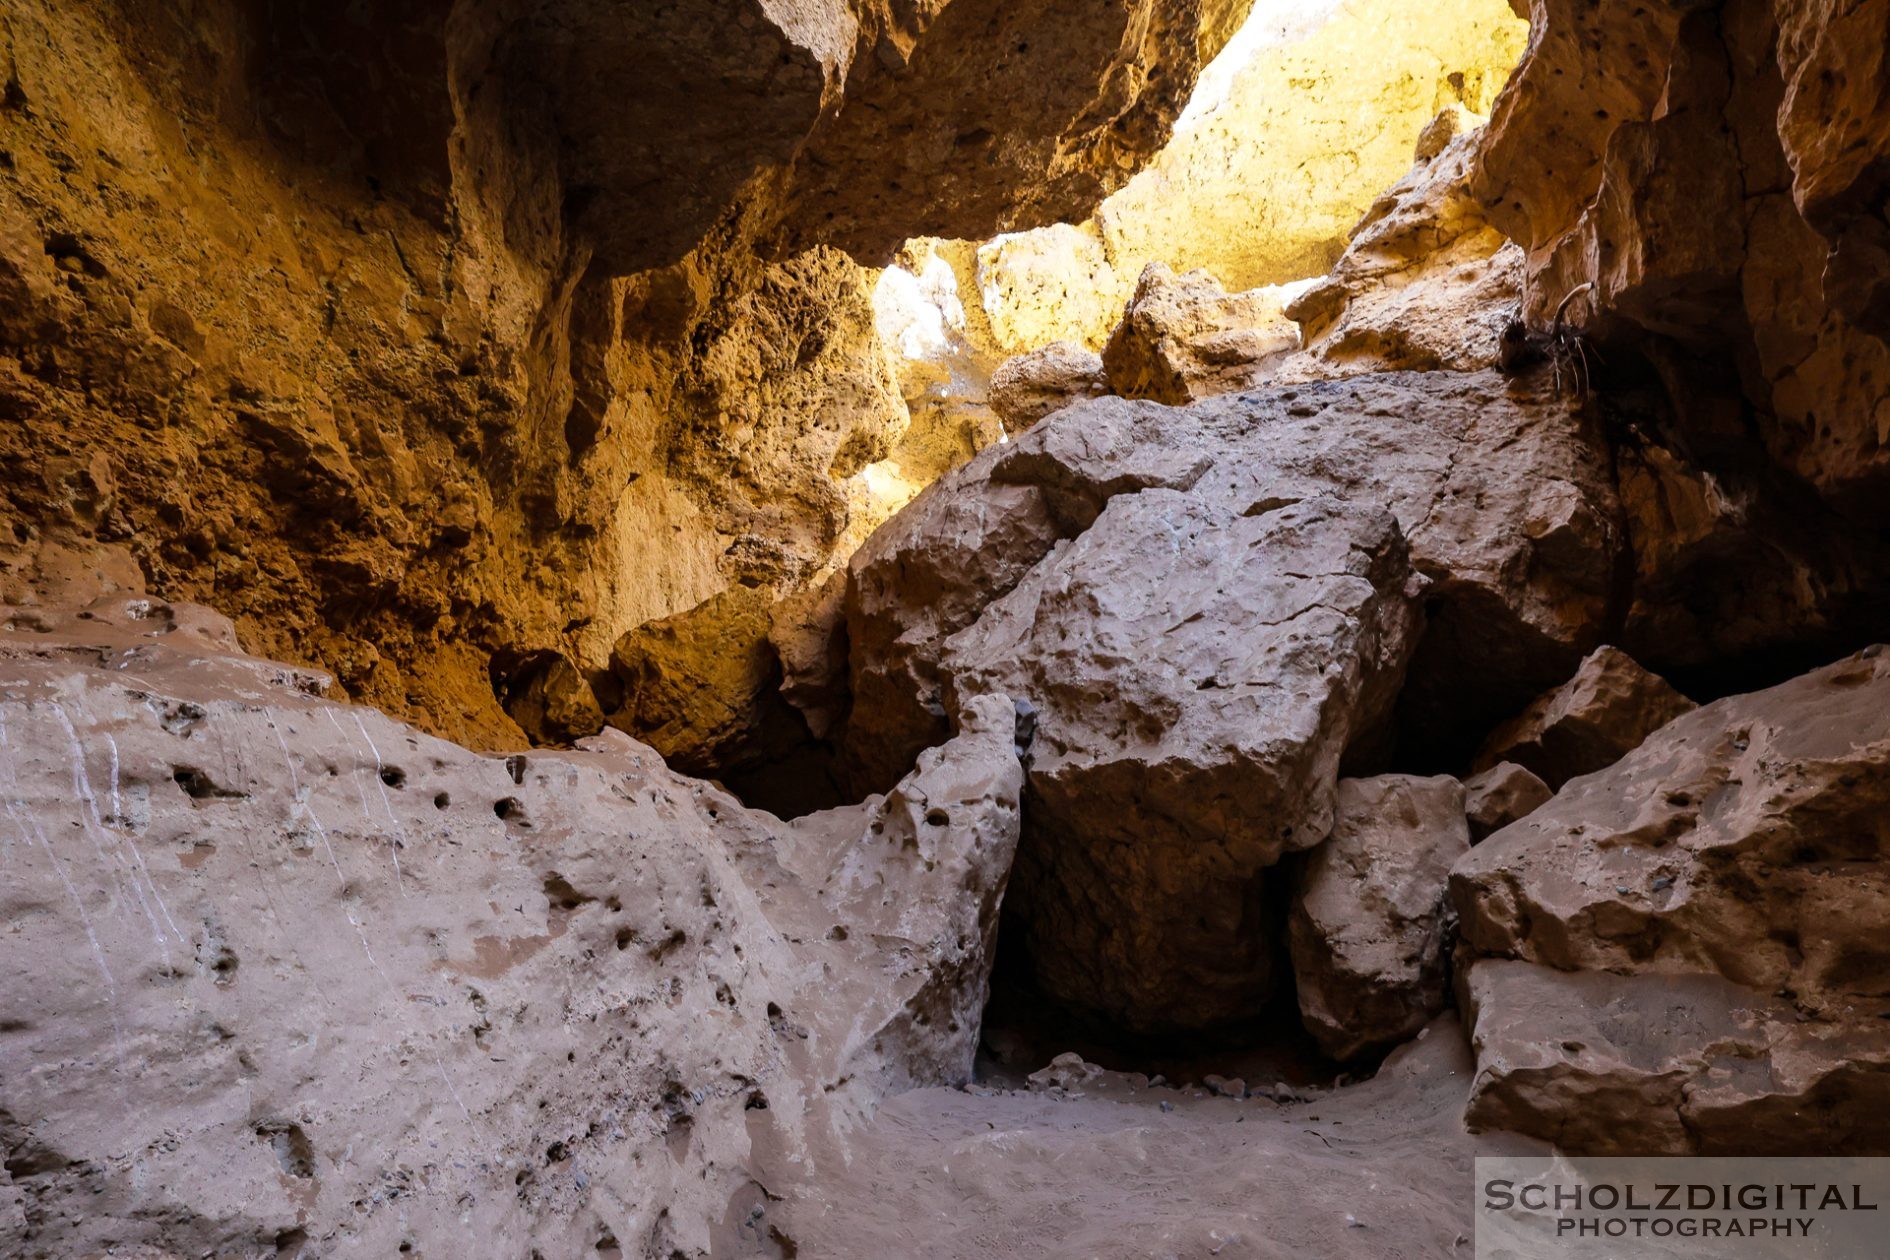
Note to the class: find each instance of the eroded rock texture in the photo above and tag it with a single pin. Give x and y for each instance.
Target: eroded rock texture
(1426, 280)
(1369, 918)
(518, 360)
(1666, 157)
(411, 337)
(1206, 610)
(304, 977)
(1737, 853)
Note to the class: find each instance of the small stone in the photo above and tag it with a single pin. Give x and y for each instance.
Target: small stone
(1499, 796)
(1588, 723)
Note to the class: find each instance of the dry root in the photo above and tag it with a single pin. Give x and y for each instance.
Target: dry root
(1569, 353)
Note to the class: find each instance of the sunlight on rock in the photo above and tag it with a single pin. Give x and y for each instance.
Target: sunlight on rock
(920, 315)
(873, 495)
(1305, 116)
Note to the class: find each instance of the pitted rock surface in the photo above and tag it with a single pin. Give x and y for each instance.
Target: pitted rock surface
(1369, 922)
(288, 972)
(1733, 859)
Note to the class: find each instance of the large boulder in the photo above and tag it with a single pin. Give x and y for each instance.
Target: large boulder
(1742, 841)
(1501, 494)
(921, 577)
(702, 685)
(549, 698)
(1051, 568)
(1027, 387)
(964, 542)
(289, 977)
(1367, 929)
(1604, 1064)
(1589, 722)
(1199, 667)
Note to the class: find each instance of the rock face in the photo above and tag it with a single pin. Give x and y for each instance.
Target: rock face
(1367, 927)
(1497, 797)
(558, 336)
(935, 89)
(291, 976)
(1051, 568)
(1184, 337)
(1053, 284)
(1685, 163)
(1589, 722)
(1739, 843)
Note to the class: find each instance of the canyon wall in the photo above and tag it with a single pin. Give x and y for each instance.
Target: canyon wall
(433, 347)
(1490, 621)
(1704, 187)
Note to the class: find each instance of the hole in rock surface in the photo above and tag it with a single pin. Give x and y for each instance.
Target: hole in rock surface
(1025, 1028)
(199, 786)
(295, 1154)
